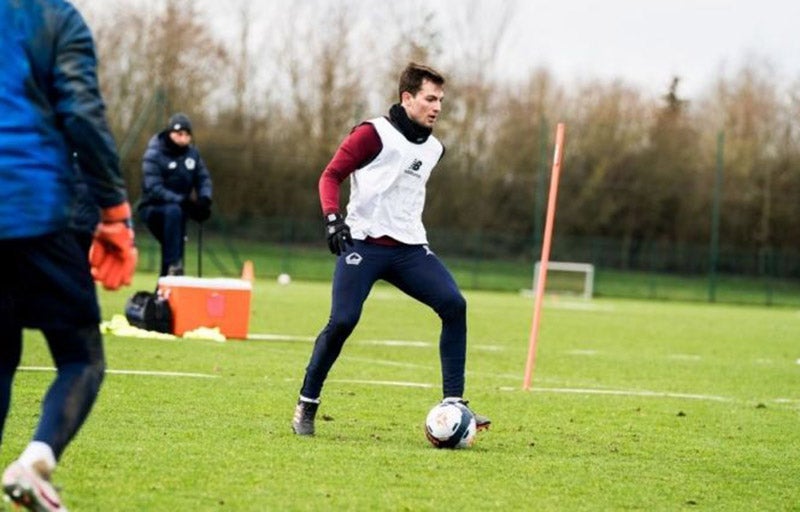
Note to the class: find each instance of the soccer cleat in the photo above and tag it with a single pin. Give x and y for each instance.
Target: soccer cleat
(303, 420)
(481, 421)
(28, 488)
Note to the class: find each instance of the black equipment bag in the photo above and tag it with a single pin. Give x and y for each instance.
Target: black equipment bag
(150, 311)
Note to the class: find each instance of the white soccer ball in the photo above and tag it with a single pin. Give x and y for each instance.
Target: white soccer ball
(284, 279)
(450, 425)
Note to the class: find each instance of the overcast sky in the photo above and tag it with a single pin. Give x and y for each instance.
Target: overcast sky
(642, 42)
(645, 42)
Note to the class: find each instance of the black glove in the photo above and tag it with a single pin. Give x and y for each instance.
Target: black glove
(187, 205)
(202, 209)
(338, 233)
(199, 210)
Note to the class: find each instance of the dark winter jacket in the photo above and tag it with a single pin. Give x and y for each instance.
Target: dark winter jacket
(50, 107)
(170, 173)
(85, 213)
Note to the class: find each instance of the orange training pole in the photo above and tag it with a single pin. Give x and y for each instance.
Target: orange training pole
(548, 235)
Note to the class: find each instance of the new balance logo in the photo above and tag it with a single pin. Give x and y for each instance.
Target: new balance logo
(413, 169)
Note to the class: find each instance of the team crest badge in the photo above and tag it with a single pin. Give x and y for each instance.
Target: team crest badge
(190, 163)
(353, 258)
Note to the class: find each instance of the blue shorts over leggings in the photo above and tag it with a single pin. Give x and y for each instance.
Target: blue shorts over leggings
(415, 270)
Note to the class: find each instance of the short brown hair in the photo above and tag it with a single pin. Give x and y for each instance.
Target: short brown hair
(412, 77)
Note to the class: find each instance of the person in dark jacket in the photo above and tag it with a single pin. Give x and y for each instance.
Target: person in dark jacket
(176, 186)
(53, 113)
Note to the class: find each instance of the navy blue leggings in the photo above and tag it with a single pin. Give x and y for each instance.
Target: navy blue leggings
(80, 366)
(415, 270)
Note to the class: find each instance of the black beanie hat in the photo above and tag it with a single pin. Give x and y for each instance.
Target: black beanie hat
(179, 122)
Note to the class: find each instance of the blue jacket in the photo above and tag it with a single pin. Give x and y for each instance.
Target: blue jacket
(170, 173)
(50, 107)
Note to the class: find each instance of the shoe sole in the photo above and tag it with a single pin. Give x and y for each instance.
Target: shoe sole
(25, 497)
(24, 491)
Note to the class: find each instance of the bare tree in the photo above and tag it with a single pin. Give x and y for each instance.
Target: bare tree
(479, 31)
(276, 94)
(747, 108)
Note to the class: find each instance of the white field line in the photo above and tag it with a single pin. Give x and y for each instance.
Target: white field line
(574, 391)
(790, 401)
(383, 343)
(385, 362)
(563, 390)
(278, 337)
(397, 343)
(628, 392)
(658, 394)
(422, 344)
(582, 352)
(131, 372)
(292, 337)
(684, 357)
(397, 383)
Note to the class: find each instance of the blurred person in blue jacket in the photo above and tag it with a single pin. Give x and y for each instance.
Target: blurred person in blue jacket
(176, 186)
(52, 112)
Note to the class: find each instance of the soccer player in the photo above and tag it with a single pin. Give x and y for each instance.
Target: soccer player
(172, 172)
(388, 160)
(51, 111)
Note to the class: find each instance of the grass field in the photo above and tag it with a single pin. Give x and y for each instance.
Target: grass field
(224, 256)
(635, 406)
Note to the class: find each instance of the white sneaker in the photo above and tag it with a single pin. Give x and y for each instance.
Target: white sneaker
(27, 488)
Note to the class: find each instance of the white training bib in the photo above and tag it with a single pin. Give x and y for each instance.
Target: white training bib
(387, 196)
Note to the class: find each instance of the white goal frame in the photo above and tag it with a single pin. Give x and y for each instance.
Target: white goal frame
(569, 266)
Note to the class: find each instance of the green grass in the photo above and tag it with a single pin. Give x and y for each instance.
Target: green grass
(224, 256)
(634, 406)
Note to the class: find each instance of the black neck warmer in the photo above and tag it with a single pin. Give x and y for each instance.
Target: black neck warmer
(171, 146)
(412, 131)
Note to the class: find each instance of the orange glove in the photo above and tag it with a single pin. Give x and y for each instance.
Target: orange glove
(113, 255)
